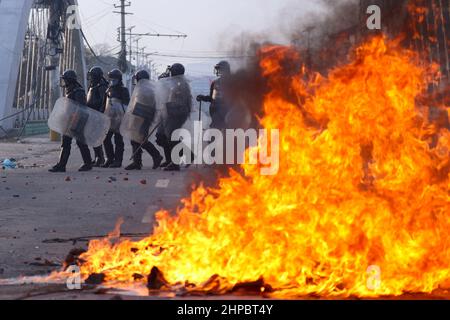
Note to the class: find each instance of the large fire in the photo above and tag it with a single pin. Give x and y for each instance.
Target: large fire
(359, 197)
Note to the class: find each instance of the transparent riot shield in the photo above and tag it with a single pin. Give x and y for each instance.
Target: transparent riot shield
(140, 113)
(175, 100)
(115, 110)
(79, 122)
(162, 93)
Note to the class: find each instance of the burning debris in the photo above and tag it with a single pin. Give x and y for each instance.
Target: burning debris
(156, 280)
(360, 206)
(73, 258)
(95, 279)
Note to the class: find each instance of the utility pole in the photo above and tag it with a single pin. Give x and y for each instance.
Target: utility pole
(142, 56)
(147, 60)
(137, 51)
(123, 65)
(130, 29)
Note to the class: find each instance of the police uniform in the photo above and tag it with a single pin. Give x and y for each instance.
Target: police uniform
(115, 157)
(95, 99)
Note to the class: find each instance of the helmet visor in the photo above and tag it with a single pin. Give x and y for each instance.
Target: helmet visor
(114, 82)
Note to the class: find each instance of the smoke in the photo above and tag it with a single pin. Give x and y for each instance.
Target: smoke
(314, 28)
(298, 24)
(304, 29)
(310, 31)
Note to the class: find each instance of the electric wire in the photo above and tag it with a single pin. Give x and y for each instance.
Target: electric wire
(92, 50)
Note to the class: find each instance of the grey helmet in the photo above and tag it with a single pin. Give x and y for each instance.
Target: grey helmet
(142, 74)
(177, 69)
(69, 77)
(222, 68)
(95, 74)
(115, 76)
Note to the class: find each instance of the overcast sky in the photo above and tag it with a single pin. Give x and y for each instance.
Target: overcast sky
(209, 24)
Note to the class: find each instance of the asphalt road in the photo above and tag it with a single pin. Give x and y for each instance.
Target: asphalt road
(41, 213)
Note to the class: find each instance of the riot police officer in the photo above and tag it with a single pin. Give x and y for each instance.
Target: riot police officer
(147, 145)
(75, 92)
(160, 133)
(120, 93)
(177, 111)
(96, 95)
(217, 97)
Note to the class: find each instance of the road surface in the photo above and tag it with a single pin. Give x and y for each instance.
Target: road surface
(41, 212)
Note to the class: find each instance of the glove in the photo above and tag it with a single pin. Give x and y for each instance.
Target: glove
(201, 98)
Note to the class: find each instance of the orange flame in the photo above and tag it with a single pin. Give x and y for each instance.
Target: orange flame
(360, 205)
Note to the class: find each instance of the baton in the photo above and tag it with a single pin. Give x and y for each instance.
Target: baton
(145, 140)
(201, 131)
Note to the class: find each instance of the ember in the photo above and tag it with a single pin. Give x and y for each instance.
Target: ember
(95, 279)
(358, 189)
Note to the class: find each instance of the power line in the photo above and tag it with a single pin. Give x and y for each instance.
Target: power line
(230, 52)
(85, 25)
(200, 57)
(146, 23)
(111, 50)
(96, 15)
(166, 35)
(91, 23)
(92, 50)
(149, 34)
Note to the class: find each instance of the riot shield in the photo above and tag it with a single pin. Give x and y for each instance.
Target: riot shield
(140, 112)
(174, 100)
(115, 110)
(79, 122)
(162, 93)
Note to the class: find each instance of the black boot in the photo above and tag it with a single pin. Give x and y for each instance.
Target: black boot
(63, 159)
(137, 157)
(109, 150)
(85, 167)
(172, 167)
(108, 163)
(120, 149)
(99, 157)
(134, 166)
(57, 169)
(165, 164)
(116, 164)
(86, 155)
(99, 162)
(154, 153)
(167, 155)
(157, 162)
